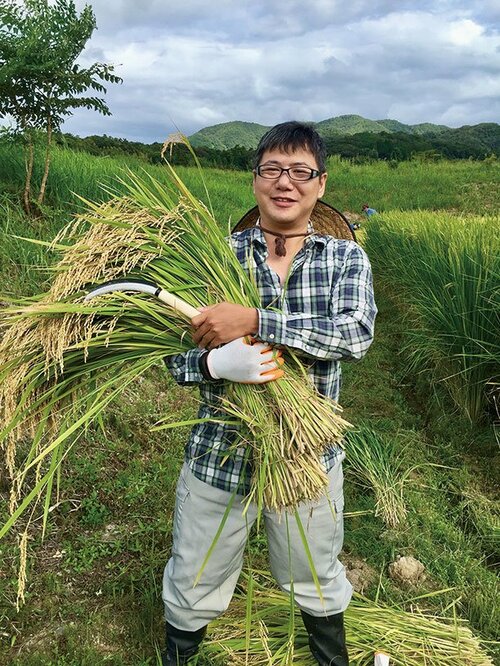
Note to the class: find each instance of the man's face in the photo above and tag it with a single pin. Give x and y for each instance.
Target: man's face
(286, 203)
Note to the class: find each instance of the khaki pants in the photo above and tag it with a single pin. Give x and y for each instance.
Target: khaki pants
(199, 510)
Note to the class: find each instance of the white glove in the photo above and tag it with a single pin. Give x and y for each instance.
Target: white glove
(246, 361)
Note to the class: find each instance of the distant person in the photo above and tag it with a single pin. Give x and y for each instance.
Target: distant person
(368, 211)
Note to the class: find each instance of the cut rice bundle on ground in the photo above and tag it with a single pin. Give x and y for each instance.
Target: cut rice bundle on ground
(269, 637)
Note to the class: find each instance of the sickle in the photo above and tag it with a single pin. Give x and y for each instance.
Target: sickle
(164, 296)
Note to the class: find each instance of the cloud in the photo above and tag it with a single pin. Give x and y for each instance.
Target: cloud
(190, 65)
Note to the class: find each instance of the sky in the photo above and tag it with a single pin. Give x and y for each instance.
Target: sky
(188, 64)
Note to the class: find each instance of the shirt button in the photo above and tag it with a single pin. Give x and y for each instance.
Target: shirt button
(271, 336)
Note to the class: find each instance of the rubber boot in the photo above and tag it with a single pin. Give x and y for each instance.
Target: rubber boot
(327, 639)
(181, 645)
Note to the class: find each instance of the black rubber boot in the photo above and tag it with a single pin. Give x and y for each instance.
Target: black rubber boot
(327, 639)
(181, 645)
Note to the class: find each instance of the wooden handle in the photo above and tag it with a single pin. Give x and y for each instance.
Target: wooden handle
(178, 304)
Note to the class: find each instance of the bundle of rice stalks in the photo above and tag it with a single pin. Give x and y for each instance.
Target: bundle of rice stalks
(378, 466)
(270, 634)
(63, 359)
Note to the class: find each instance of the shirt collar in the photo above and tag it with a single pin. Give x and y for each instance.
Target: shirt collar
(257, 236)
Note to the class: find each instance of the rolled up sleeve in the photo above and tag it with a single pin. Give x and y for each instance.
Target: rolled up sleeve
(347, 333)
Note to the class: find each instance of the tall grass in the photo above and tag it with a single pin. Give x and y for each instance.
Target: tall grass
(461, 185)
(447, 268)
(24, 264)
(76, 174)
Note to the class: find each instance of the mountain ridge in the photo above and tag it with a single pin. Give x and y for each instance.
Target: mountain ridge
(225, 136)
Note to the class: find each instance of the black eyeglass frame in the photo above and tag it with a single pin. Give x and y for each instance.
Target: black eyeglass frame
(314, 172)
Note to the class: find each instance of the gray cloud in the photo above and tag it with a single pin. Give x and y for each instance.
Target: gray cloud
(185, 64)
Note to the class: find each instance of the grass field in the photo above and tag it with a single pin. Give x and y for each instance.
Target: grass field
(463, 185)
(448, 268)
(94, 583)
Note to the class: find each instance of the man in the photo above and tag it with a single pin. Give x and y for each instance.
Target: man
(368, 211)
(317, 300)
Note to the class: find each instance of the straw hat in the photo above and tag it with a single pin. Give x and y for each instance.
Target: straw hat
(325, 219)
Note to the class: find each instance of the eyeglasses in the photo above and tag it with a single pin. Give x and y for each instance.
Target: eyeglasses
(273, 172)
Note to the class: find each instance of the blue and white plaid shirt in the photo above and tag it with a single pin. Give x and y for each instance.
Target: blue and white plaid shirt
(325, 313)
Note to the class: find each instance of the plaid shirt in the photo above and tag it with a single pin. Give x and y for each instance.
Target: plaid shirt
(325, 313)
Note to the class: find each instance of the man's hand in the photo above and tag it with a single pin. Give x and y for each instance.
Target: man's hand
(245, 361)
(221, 323)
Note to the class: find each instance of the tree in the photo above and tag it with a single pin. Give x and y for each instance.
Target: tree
(40, 80)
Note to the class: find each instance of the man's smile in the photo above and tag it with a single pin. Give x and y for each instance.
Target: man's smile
(283, 201)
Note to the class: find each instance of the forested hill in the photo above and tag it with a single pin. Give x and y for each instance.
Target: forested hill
(483, 138)
(232, 145)
(228, 135)
(237, 133)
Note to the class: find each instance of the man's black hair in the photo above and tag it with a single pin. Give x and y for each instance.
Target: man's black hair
(291, 136)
